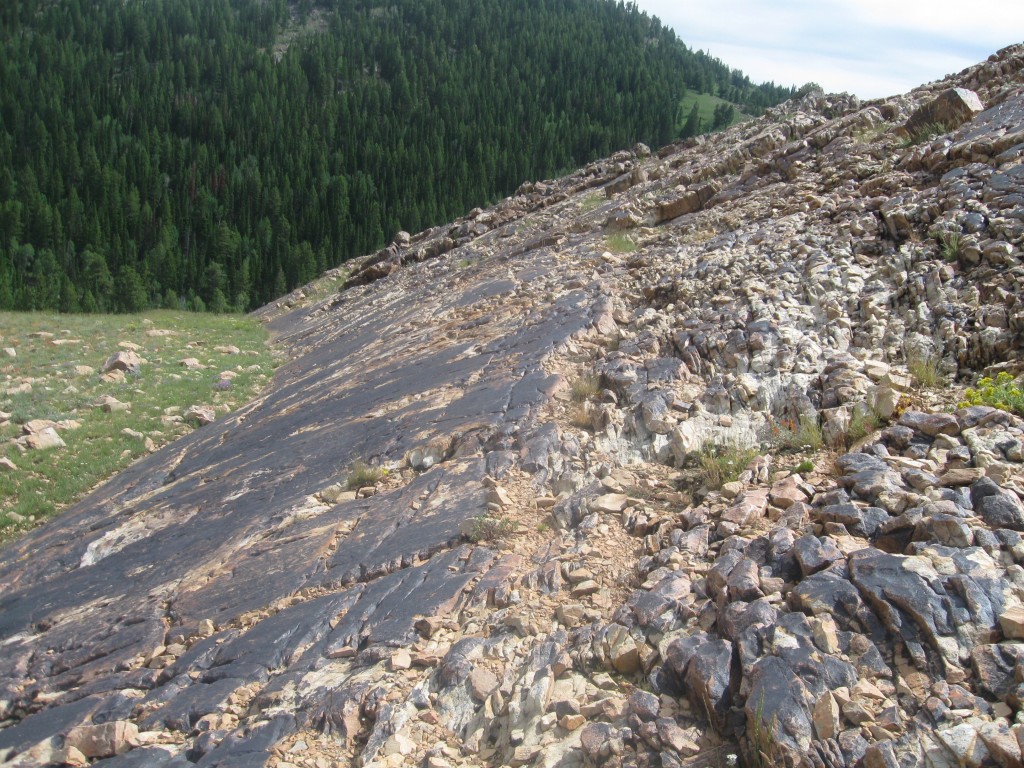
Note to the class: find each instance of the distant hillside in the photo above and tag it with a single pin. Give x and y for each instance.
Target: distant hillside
(217, 153)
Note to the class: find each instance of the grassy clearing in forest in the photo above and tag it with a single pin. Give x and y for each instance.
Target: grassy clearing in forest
(55, 374)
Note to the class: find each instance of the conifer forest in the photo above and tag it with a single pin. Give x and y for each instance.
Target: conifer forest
(214, 154)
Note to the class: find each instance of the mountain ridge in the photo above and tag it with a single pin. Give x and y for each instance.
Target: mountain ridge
(543, 576)
(167, 154)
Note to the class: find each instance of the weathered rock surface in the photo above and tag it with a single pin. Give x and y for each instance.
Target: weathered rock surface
(533, 571)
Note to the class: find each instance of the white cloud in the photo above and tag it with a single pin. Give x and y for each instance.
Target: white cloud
(870, 47)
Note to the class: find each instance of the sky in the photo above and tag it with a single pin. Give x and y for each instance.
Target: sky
(871, 48)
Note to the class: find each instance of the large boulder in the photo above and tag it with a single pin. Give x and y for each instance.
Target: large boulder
(949, 109)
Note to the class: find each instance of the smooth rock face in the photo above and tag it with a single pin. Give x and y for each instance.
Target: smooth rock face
(950, 109)
(541, 571)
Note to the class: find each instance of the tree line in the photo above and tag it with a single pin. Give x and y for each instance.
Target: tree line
(214, 154)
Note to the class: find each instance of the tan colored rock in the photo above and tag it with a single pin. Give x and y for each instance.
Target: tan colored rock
(401, 660)
(106, 740)
(110, 404)
(585, 588)
(199, 415)
(826, 717)
(45, 440)
(572, 722)
(609, 502)
(961, 476)
(398, 744)
(1011, 621)
(125, 361)
(499, 496)
(481, 682)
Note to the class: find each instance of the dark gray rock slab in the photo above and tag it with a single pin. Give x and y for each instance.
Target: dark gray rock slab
(997, 506)
(223, 529)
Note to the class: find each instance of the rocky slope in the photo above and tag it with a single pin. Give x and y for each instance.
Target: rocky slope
(538, 573)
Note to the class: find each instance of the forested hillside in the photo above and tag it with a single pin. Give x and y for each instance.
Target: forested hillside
(216, 153)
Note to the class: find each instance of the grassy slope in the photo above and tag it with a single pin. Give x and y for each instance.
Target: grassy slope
(45, 482)
(707, 104)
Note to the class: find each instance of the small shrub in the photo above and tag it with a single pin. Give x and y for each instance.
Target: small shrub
(806, 434)
(620, 243)
(761, 740)
(362, 475)
(580, 416)
(925, 369)
(926, 132)
(951, 245)
(585, 388)
(1001, 392)
(721, 464)
(591, 202)
(862, 423)
(487, 528)
(804, 466)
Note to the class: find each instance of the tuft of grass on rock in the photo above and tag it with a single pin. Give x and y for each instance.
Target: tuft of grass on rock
(491, 528)
(862, 423)
(925, 370)
(951, 245)
(363, 475)
(805, 434)
(804, 467)
(584, 388)
(619, 243)
(591, 202)
(721, 464)
(926, 132)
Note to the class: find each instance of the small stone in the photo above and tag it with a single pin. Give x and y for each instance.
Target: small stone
(199, 415)
(110, 404)
(826, 717)
(481, 683)
(398, 744)
(45, 440)
(401, 660)
(1011, 621)
(952, 478)
(594, 737)
(106, 740)
(856, 713)
(7, 465)
(584, 588)
(825, 634)
(644, 705)
(572, 722)
(732, 489)
(499, 496)
(609, 502)
(580, 575)
(126, 361)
